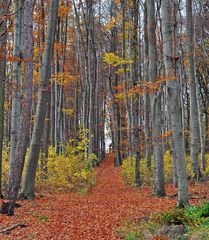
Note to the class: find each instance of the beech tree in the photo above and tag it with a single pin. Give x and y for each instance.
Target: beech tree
(17, 75)
(17, 162)
(3, 43)
(193, 91)
(34, 150)
(77, 76)
(174, 109)
(155, 102)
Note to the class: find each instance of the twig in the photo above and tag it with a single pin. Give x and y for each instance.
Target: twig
(198, 197)
(9, 229)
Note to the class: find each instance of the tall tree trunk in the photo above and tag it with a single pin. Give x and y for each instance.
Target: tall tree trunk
(135, 97)
(125, 80)
(147, 95)
(201, 129)
(46, 141)
(30, 174)
(113, 81)
(177, 70)
(193, 95)
(17, 162)
(159, 184)
(17, 52)
(52, 114)
(3, 42)
(175, 111)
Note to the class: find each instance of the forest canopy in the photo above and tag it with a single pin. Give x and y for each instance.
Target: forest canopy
(80, 78)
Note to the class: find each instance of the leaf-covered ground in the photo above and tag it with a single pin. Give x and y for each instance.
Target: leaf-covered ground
(95, 216)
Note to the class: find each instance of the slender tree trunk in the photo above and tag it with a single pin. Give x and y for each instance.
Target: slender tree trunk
(46, 141)
(17, 162)
(201, 129)
(172, 148)
(125, 79)
(147, 95)
(113, 81)
(30, 174)
(159, 184)
(193, 95)
(175, 111)
(52, 115)
(3, 42)
(135, 97)
(177, 70)
(16, 107)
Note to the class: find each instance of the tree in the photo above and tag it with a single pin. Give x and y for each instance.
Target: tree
(3, 42)
(17, 162)
(175, 110)
(147, 127)
(159, 185)
(17, 75)
(34, 150)
(133, 72)
(193, 94)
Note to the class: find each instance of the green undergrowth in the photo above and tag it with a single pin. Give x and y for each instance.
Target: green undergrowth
(128, 169)
(132, 230)
(40, 217)
(193, 219)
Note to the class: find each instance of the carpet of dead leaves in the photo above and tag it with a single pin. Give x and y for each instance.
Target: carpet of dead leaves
(94, 216)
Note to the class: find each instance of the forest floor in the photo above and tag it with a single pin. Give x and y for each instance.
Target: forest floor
(95, 216)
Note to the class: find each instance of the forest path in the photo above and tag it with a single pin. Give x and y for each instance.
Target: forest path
(95, 216)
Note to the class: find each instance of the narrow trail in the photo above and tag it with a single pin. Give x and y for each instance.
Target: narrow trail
(95, 216)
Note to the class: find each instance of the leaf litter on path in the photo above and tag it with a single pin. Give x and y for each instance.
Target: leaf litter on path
(94, 216)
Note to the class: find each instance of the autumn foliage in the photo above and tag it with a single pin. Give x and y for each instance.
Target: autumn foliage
(97, 215)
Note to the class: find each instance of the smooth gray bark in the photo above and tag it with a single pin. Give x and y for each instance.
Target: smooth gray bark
(125, 81)
(3, 42)
(32, 162)
(147, 127)
(17, 52)
(159, 183)
(193, 95)
(175, 110)
(17, 162)
(201, 128)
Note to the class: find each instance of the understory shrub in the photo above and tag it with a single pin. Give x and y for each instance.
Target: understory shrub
(128, 169)
(71, 171)
(128, 172)
(5, 168)
(193, 219)
(130, 230)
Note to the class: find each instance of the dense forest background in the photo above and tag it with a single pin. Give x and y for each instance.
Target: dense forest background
(78, 78)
